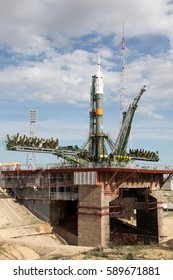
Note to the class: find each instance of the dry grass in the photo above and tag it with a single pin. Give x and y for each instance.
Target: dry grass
(151, 252)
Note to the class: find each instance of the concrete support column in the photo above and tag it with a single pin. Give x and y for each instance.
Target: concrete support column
(93, 216)
(150, 218)
(158, 195)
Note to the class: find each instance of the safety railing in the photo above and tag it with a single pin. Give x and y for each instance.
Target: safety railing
(87, 165)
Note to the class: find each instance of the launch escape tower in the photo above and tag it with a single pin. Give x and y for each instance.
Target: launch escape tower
(99, 149)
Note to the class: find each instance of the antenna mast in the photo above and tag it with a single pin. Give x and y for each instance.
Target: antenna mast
(123, 91)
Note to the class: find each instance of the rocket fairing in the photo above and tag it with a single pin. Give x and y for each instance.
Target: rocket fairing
(99, 79)
(99, 99)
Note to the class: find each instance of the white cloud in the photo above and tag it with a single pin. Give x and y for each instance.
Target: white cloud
(27, 26)
(62, 78)
(67, 78)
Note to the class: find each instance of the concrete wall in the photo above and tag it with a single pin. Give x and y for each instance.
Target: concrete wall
(127, 210)
(168, 186)
(57, 212)
(31, 199)
(40, 208)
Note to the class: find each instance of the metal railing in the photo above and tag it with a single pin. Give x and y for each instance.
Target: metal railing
(87, 165)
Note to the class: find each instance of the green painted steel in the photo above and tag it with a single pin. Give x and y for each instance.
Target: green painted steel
(121, 143)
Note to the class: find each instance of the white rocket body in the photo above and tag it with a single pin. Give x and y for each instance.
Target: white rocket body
(99, 91)
(99, 79)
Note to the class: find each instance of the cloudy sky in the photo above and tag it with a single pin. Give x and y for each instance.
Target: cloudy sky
(48, 54)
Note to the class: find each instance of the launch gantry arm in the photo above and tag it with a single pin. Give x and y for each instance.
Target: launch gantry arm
(123, 136)
(50, 146)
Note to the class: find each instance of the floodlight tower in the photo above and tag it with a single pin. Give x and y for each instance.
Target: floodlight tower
(123, 91)
(33, 118)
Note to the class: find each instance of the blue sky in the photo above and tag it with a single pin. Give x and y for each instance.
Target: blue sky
(48, 53)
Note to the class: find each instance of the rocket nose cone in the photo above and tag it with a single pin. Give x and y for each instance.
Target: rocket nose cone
(99, 74)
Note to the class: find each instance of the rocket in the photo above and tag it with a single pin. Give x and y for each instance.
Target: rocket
(96, 144)
(99, 91)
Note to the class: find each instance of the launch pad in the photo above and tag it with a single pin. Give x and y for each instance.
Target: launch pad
(97, 185)
(84, 205)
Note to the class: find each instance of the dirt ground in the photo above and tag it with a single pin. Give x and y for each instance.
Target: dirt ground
(25, 237)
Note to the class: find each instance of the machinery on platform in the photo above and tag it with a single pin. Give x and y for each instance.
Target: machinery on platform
(99, 149)
(10, 166)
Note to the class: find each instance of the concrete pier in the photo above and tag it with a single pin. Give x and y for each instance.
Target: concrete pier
(93, 216)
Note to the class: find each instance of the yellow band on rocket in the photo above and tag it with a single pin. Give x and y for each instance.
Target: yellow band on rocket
(99, 111)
